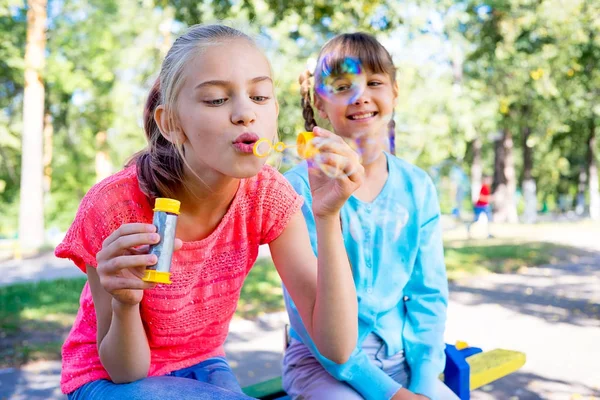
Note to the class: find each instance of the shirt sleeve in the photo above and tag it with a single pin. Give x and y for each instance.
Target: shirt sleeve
(279, 203)
(101, 211)
(426, 308)
(359, 372)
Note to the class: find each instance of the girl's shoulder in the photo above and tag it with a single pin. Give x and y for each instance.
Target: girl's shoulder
(411, 175)
(106, 206)
(300, 171)
(407, 169)
(268, 202)
(114, 192)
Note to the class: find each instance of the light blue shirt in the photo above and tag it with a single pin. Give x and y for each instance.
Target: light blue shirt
(395, 248)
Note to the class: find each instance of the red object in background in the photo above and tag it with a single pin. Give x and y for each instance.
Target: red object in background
(484, 196)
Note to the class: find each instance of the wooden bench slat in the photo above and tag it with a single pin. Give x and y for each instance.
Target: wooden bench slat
(492, 365)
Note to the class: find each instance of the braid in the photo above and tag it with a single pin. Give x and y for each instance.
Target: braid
(392, 135)
(307, 111)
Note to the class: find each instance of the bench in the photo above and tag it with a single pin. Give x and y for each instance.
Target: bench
(467, 368)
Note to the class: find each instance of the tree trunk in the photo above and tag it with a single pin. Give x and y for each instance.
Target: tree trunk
(505, 184)
(31, 211)
(48, 134)
(593, 173)
(476, 170)
(528, 185)
(103, 164)
(582, 186)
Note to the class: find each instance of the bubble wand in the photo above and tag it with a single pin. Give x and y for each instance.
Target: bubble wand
(304, 146)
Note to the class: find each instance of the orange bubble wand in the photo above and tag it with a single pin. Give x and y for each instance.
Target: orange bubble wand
(304, 146)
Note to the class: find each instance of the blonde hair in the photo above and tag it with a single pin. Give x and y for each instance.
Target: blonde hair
(160, 166)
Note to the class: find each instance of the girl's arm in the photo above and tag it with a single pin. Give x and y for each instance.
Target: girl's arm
(122, 343)
(359, 372)
(117, 290)
(427, 290)
(323, 290)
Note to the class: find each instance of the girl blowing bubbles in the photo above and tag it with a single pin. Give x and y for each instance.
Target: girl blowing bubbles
(391, 229)
(214, 99)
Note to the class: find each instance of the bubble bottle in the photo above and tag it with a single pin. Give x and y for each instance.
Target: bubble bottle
(166, 212)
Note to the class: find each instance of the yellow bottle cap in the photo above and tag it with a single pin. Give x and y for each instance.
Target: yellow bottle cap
(167, 205)
(305, 147)
(151, 275)
(461, 345)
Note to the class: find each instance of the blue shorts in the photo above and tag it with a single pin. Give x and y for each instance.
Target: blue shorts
(478, 210)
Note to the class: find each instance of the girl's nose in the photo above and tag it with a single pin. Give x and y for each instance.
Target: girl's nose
(243, 115)
(362, 99)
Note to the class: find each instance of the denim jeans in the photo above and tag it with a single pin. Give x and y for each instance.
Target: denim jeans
(211, 379)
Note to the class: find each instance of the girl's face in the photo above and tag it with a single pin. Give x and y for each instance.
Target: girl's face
(366, 116)
(226, 104)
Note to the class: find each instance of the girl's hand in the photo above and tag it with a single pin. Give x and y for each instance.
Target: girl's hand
(123, 260)
(334, 173)
(405, 394)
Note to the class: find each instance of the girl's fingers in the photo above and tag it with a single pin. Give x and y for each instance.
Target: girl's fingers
(144, 249)
(113, 266)
(126, 243)
(331, 164)
(178, 244)
(138, 271)
(326, 145)
(320, 132)
(338, 166)
(354, 172)
(128, 229)
(334, 144)
(121, 283)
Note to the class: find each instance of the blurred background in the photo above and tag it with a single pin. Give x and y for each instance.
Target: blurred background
(506, 88)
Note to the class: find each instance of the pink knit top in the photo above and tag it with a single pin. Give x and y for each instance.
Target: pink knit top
(186, 322)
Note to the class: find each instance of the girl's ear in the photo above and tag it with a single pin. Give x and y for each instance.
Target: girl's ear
(319, 105)
(173, 134)
(396, 93)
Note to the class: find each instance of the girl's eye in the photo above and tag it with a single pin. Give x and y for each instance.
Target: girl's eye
(374, 83)
(216, 102)
(341, 88)
(260, 99)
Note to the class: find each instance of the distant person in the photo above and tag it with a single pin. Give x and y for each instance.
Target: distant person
(482, 206)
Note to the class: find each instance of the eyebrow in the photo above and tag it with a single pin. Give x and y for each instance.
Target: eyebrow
(226, 83)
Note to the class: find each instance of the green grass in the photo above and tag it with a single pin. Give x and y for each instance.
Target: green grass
(35, 317)
(463, 259)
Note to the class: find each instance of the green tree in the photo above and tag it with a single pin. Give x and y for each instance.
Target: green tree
(13, 22)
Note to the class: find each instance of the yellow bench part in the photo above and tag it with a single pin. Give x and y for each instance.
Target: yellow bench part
(492, 365)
